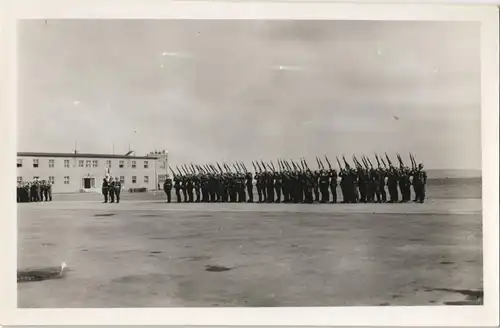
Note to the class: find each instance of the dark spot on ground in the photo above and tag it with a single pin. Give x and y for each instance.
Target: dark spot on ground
(216, 268)
(384, 304)
(149, 215)
(461, 303)
(158, 238)
(202, 216)
(104, 214)
(40, 274)
(146, 278)
(85, 250)
(156, 252)
(416, 239)
(432, 301)
(473, 297)
(195, 258)
(395, 296)
(295, 245)
(447, 262)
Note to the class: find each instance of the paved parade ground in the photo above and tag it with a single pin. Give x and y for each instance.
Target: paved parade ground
(145, 253)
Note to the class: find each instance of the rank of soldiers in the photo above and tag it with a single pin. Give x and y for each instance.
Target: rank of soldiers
(295, 182)
(34, 191)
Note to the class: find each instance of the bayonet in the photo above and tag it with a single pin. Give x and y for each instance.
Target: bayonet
(338, 162)
(378, 161)
(263, 165)
(220, 168)
(388, 160)
(345, 162)
(329, 164)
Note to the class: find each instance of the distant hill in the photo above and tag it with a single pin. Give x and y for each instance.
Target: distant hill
(453, 174)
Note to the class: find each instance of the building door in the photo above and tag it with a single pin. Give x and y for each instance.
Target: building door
(87, 183)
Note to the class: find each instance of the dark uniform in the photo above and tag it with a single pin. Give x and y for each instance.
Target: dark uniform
(278, 183)
(324, 181)
(333, 185)
(105, 186)
(392, 185)
(177, 186)
(167, 188)
(381, 194)
(419, 181)
(111, 190)
(249, 185)
(118, 189)
(197, 187)
(258, 184)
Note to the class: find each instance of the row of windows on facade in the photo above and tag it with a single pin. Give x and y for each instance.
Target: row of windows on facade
(52, 179)
(88, 163)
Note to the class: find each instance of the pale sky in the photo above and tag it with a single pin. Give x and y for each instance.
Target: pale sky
(244, 90)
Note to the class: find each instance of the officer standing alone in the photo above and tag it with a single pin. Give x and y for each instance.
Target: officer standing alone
(104, 190)
(118, 189)
(167, 187)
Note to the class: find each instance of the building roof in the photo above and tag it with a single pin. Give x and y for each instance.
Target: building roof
(83, 155)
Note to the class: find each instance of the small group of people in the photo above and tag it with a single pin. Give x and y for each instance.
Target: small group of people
(34, 191)
(111, 189)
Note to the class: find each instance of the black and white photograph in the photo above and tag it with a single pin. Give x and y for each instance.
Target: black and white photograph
(249, 163)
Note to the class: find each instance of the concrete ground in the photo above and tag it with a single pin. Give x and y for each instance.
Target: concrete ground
(145, 253)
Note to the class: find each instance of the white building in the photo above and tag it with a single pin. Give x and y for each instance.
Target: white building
(77, 172)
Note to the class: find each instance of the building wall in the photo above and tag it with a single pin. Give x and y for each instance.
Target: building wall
(76, 173)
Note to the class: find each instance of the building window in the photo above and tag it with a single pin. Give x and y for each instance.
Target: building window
(146, 164)
(66, 180)
(133, 164)
(122, 179)
(108, 163)
(95, 163)
(88, 163)
(122, 164)
(35, 163)
(52, 180)
(134, 179)
(36, 178)
(66, 163)
(51, 163)
(19, 179)
(19, 162)
(146, 179)
(80, 163)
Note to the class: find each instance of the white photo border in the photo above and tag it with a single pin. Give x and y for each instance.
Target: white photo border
(486, 315)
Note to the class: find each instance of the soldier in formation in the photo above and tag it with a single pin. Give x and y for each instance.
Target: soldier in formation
(34, 191)
(292, 182)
